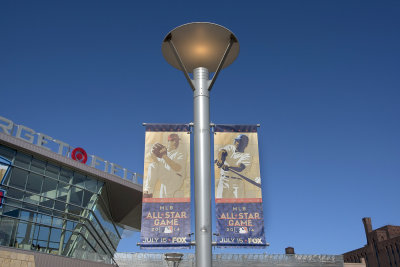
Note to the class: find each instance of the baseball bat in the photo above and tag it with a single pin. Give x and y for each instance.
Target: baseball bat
(245, 178)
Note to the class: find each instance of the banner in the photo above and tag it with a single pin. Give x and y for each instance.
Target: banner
(5, 166)
(166, 187)
(238, 199)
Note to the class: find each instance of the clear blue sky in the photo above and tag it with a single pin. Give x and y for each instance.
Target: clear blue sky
(321, 77)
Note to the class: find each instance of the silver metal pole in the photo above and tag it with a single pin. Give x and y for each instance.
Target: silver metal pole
(202, 168)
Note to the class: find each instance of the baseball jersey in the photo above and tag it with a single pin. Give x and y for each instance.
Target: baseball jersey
(235, 158)
(170, 180)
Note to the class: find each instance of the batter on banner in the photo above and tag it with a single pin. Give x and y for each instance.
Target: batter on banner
(238, 174)
(232, 160)
(238, 195)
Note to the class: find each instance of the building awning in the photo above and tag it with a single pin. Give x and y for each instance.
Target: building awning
(125, 197)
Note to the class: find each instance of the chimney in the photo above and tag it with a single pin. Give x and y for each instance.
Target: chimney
(289, 251)
(368, 227)
(367, 224)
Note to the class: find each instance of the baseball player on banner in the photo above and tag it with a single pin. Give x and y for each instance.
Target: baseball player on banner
(232, 160)
(167, 166)
(236, 165)
(166, 187)
(238, 194)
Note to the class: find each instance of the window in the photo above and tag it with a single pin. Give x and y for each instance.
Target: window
(34, 183)
(18, 178)
(38, 166)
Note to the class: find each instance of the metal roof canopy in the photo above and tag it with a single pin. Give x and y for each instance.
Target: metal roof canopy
(200, 44)
(125, 197)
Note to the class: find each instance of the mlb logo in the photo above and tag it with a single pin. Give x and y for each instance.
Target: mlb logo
(168, 230)
(241, 230)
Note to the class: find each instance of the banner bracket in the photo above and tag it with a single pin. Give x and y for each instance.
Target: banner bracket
(191, 125)
(213, 243)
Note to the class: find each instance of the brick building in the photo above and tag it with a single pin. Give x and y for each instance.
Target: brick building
(382, 248)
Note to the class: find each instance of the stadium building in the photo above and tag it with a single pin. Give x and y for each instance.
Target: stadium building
(52, 204)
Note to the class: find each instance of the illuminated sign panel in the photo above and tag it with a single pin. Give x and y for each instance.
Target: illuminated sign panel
(79, 154)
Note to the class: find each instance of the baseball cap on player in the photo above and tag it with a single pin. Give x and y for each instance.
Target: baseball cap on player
(243, 141)
(174, 137)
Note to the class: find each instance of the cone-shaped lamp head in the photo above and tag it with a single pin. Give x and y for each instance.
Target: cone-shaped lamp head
(200, 44)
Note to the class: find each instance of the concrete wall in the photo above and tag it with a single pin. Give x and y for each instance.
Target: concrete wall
(16, 259)
(348, 264)
(13, 257)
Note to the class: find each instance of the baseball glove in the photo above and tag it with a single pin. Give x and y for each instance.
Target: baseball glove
(159, 150)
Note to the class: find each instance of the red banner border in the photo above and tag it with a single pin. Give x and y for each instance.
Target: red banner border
(166, 200)
(238, 200)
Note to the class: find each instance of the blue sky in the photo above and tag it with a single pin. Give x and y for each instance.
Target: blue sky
(321, 77)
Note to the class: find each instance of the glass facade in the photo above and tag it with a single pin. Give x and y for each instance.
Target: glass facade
(53, 209)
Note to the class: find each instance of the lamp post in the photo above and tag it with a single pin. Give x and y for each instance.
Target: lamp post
(199, 48)
(174, 258)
